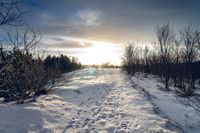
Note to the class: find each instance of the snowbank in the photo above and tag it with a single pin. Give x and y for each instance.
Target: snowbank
(186, 117)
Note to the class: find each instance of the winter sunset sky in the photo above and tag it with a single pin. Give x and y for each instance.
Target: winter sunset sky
(95, 31)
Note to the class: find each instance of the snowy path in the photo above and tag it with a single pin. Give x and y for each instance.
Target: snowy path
(97, 101)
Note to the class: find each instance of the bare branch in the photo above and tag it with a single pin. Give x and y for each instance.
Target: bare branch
(10, 13)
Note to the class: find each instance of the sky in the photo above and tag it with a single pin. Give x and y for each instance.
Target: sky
(95, 31)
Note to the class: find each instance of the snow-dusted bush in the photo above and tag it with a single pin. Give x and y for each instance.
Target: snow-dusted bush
(26, 76)
(21, 77)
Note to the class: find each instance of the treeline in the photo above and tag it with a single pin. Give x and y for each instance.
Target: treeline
(106, 65)
(175, 58)
(61, 64)
(23, 76)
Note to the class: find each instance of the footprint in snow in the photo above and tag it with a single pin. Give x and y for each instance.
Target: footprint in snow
(102, 123)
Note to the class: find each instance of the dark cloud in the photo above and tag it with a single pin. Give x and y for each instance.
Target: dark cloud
(121, 20)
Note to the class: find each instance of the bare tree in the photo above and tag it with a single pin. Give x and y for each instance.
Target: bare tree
(146, 61)
(24, 38)
(129, 58)
(177, 75)
(10, 12)
(190, 40)
(165, 39)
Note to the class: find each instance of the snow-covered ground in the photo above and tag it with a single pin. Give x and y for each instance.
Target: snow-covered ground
(167, 104)
(94, 100)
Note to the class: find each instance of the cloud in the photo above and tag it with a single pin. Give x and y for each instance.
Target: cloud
(87, 18)
(53, 42)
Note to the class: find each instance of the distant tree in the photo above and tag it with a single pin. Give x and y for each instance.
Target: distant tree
(177, 74)
(190, 40)
(146, 61)
(129, 58)
(58, 65)
(107, 65)
(165, 40)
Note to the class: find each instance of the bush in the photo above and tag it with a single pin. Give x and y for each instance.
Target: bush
(24, 76)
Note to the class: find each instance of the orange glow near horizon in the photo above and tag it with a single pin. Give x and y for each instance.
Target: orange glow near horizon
(99, 52)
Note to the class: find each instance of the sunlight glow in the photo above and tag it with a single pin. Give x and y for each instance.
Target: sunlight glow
(99, 52)
(97, 55)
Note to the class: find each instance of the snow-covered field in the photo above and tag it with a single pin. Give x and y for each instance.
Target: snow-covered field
(96, 101)
(167, 104)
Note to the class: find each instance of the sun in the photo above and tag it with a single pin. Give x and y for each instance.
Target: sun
(97, 54)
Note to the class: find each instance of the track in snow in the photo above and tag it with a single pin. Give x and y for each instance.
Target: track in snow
(95, 100)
